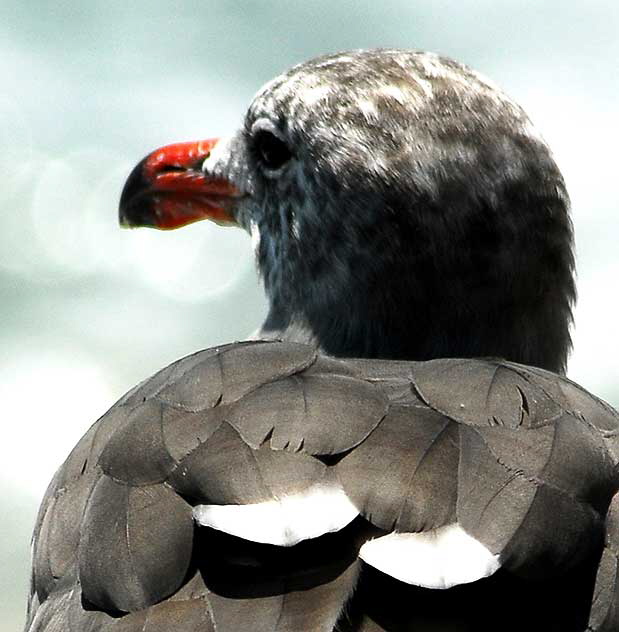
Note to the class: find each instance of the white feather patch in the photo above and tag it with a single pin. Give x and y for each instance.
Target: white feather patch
(285, 521)
(254, 231)
(219, 153)
(440, 558)
(367, 107)
(312, 94)
(296, 228)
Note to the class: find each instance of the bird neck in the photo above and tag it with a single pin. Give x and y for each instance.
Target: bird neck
(446, 279)
(534, 334)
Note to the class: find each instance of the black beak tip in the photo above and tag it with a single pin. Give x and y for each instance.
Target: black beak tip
(136, 206)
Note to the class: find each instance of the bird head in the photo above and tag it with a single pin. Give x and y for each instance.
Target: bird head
(402, 207)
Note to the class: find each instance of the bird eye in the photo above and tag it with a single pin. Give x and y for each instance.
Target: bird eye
(271, 151)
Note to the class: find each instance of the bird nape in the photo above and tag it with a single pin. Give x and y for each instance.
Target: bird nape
(400, 450)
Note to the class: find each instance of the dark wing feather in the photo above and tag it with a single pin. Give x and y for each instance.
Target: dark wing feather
(523, 460)
(401, 465)
(605, 609)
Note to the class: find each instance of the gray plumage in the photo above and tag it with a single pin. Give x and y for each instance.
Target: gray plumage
(522, 459)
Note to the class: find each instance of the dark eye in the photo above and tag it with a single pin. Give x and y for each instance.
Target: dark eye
(271, 151)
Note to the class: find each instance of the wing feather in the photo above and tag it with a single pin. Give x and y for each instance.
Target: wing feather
(523, 462)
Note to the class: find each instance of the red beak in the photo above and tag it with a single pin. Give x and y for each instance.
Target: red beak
(168, 189)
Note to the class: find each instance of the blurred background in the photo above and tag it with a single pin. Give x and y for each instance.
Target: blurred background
(88, 310)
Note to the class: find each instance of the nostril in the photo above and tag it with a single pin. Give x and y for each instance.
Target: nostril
(171, 168)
